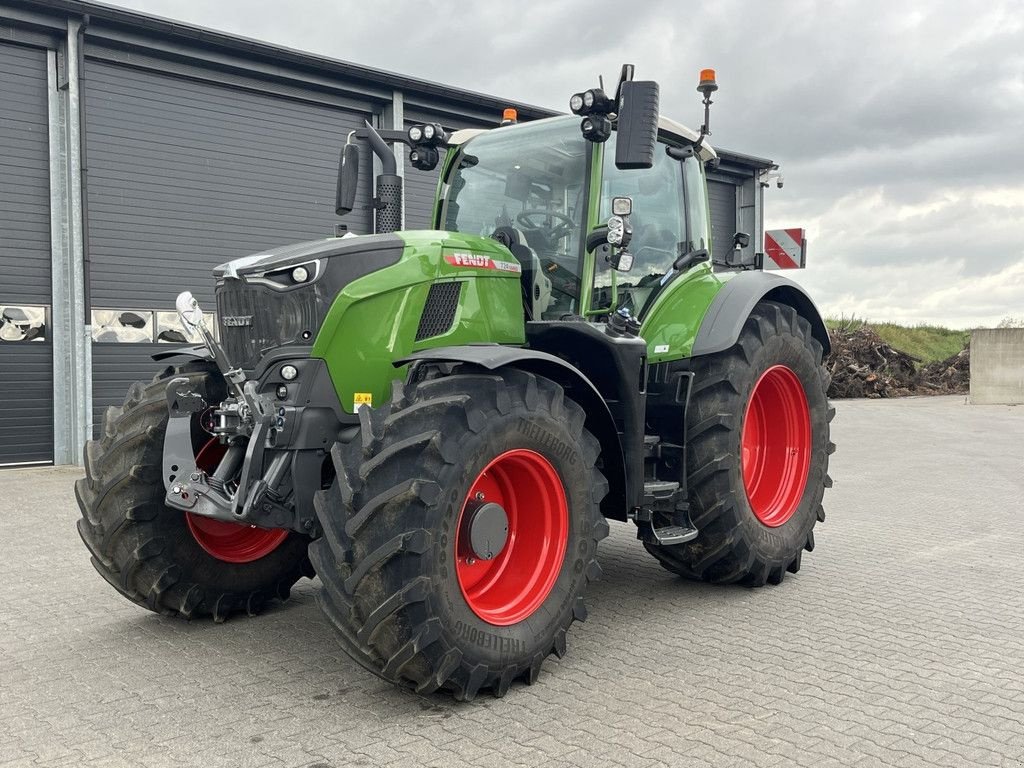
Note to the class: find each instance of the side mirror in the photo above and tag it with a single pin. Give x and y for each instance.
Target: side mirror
(348, 180)
(740, 240)
(637, 124)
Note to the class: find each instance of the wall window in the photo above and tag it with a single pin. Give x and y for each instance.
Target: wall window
(143, 326)
(23, 323)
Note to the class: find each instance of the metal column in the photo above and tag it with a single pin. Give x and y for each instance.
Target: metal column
(72, 337)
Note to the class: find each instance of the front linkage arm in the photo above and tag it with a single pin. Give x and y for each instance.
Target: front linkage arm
(244, 423)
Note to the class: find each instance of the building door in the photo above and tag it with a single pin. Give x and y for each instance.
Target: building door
(26, 352)
(722, 204)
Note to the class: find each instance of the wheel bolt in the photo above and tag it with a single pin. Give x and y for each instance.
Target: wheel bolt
(470, 561)
(479, 495)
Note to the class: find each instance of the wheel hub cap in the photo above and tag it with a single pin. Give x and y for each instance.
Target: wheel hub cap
(488, 529)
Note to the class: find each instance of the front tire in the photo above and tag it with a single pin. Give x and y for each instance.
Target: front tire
(162, 558)
(422, 584)
(757, 453)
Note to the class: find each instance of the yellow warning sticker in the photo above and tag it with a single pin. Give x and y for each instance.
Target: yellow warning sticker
(360, 399)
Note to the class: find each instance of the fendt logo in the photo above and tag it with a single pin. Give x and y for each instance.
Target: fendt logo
(236, 321)
(463, 259)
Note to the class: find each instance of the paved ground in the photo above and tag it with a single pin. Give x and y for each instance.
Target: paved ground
(900, 643)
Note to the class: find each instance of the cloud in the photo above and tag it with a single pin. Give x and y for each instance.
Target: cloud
(898, 125)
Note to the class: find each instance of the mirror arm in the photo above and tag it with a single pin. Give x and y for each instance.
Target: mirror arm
(597, 238)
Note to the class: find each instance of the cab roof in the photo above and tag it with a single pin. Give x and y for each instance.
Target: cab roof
(666, 126)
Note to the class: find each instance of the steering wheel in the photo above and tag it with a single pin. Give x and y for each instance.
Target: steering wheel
(526, 220)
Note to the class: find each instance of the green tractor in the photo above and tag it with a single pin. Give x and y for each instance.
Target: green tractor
(439, 424)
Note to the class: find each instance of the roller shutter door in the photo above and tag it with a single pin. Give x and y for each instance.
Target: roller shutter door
(26, 354)
(185, 175)
(722, 201)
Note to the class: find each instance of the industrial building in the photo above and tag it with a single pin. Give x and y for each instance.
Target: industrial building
(137, 153)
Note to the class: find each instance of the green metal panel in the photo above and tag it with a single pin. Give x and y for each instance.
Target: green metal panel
(671, 324)
(373, 320)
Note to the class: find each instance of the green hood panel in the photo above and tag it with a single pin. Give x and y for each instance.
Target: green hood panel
(374, 320)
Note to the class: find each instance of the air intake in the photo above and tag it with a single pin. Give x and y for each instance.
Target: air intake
(439, 311)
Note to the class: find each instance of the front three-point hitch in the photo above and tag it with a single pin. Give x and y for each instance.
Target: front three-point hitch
(238, 490)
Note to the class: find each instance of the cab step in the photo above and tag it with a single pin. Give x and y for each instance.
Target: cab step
(668, 535)
(663, 496)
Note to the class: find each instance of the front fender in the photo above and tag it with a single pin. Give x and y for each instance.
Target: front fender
(195, 352)
(599, 421)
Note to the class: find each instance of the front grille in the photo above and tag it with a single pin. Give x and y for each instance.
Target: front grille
(254, 319)
(439, 310)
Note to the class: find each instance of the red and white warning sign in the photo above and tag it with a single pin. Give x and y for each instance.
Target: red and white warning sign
(785, 249)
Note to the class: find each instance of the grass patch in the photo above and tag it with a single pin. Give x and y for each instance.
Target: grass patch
(925, 342)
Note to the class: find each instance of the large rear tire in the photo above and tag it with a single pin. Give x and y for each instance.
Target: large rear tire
(461, 532)
(161, 558)
(757, 453)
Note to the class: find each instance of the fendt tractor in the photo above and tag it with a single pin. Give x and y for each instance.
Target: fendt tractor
(439, 424)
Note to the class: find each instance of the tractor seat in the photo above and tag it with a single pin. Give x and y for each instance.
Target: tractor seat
(535, 285)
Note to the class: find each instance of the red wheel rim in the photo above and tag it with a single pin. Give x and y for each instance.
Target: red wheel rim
(230, 542)
(776, 446)
(515, 583)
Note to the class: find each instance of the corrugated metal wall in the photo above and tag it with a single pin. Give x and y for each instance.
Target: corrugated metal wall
(185, 175)
(26, 367)
(722, 202)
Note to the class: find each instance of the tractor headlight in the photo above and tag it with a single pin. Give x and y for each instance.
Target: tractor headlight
(576, 103)
(415, 134)
(424, 158)
(300, 274)
(588, 99)
(615, 230)
(429, 132)
(289, 372)
(596, 128)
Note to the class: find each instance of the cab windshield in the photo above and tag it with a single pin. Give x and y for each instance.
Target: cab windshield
(529, 177)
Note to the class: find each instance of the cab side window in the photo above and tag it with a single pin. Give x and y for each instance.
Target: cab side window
(696, 204)
(659, 222)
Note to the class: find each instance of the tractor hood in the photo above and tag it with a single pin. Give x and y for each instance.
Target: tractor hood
(312, 253)
(265, 301)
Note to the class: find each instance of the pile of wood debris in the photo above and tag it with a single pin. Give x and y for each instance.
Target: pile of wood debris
(863, 365)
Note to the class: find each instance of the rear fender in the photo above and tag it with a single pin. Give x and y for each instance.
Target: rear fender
(599, 421)
(732, 305)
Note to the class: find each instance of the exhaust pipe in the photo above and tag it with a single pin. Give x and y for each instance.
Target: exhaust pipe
(388, 202)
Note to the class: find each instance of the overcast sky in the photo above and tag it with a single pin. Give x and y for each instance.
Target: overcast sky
(899, 126)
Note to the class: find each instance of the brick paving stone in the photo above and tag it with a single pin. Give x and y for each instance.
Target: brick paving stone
(900, 642)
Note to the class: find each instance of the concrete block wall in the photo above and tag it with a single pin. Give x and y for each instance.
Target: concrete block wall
(997, 366)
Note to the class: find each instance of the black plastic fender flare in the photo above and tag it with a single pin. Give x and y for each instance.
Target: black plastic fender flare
(730, 309)
(599, 419)
(196, 352)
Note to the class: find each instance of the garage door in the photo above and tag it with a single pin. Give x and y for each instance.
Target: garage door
(26, 356)
(184, 175)
(421, 186)
(722, 201)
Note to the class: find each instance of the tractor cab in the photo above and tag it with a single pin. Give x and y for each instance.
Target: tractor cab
(543, 190)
